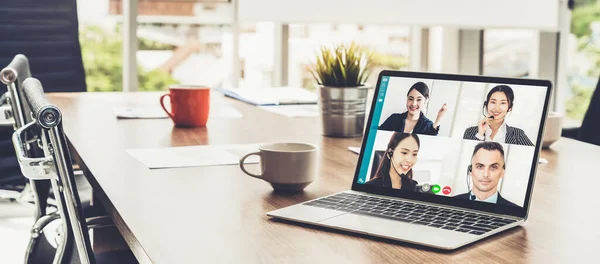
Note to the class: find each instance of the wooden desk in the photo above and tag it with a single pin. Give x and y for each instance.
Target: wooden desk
(217, 214)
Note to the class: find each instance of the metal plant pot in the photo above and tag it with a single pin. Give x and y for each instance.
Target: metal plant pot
(343, 110)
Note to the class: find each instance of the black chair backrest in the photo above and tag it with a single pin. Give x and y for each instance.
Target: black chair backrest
(590, 127)
(49, 119)
(47, 32)
(376, 160)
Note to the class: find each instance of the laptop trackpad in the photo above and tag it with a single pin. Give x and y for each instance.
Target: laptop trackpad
(304, 213)
(397, 230)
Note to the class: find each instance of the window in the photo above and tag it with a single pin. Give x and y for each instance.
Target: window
(390, 46)
(257, 50)
(101, 46)
(182, 42)
(178, 42)
(508, 52)
(584, 59)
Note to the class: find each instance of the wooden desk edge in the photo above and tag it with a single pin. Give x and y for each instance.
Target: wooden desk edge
(130, 239)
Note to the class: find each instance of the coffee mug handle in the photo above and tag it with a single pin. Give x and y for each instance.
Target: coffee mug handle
(162, 103)
(259, 176)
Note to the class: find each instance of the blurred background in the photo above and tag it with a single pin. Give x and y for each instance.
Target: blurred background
(192, 42)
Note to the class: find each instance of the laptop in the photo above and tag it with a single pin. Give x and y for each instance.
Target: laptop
(455, 160)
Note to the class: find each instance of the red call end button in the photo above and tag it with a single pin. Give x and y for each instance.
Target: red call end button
(447, 190)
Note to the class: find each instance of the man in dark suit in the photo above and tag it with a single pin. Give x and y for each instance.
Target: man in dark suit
(486, 169)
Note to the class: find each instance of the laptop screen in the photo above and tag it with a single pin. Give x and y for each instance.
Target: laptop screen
(467, 140)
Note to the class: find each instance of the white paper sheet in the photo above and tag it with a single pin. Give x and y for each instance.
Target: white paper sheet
(139, 112)
(293, 110)
(354, 149)
(154, 112)
(194, 156)
(271, 96)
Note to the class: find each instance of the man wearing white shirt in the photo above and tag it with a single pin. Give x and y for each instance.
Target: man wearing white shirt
(486, 169)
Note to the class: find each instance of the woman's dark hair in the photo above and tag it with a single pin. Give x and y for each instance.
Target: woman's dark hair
(384, 166)
(510, 95)
(421, 87)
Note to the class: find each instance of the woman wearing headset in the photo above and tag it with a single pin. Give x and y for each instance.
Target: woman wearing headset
(493, 127)
(413, 120)
(395, 169)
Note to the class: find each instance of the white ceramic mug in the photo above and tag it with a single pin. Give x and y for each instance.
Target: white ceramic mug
(286, 166)
(554, 124)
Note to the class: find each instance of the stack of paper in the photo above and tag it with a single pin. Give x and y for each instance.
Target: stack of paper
(292, 110)
(271, 96)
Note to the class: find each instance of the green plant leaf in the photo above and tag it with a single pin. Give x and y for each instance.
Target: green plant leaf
(342, 66)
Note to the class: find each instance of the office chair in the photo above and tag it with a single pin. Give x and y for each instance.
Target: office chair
(73, 244)
(12, 76)
(47, 31)
(38, 193)
(589, 131)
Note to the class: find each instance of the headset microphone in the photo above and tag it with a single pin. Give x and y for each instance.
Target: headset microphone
(425, 188)
(390, 153)
(472, 197)
(484, 110)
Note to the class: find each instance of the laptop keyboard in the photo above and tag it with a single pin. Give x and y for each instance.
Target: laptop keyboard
(420, 214)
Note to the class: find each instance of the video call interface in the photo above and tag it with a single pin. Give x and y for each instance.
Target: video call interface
(467, 140)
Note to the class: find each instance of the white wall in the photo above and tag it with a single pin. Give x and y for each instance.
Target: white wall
(469, 107)
(457, 13)
(516, 176)
(443, 92)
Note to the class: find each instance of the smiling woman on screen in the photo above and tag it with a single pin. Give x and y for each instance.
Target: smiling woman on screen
(493, 127)
(395, 169)
(413, 120)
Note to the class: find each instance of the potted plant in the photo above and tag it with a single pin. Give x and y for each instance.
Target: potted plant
(341, 73)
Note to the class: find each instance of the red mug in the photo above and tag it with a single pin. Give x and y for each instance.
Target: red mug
(189, 105)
